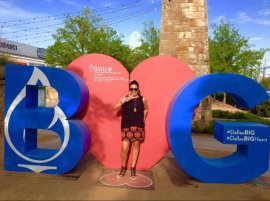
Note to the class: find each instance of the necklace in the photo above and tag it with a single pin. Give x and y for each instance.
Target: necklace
(135, 108)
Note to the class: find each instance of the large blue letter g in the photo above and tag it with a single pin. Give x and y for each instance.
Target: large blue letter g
(252, 156)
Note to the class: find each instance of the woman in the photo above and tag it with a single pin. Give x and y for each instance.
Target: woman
(134, 112)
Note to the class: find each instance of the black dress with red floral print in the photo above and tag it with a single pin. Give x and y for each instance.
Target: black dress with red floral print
(132, 123)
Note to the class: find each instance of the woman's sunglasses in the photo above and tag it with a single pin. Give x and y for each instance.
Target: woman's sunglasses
(133, 89)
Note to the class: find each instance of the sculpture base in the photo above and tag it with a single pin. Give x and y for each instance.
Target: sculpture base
(144, 179)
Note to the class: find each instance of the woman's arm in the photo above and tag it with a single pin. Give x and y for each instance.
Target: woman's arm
(145, 112)
(123, 100)
(119, 104)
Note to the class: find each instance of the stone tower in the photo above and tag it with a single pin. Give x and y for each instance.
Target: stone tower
(184, 35)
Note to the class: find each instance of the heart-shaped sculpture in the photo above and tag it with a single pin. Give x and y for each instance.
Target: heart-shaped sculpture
(159, 78)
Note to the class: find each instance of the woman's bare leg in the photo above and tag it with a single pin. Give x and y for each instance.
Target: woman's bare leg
(124, 152)
(135, 153)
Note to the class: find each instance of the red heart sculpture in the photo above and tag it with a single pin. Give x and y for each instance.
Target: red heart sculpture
(107, 79)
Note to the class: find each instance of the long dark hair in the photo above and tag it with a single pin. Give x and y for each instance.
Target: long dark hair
(134, 82)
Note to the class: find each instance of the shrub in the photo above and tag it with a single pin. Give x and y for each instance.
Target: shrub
(230, 116)
(229, 99)
(239, 116)
(265, 82)
(263, 109)
(196, 128)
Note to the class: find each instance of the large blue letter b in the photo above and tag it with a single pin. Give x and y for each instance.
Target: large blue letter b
(23, 117)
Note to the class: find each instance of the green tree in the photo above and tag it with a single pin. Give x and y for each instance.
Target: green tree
(265, 82)
(83, 34)
(230, 52)
(150, 39)
(149, 47)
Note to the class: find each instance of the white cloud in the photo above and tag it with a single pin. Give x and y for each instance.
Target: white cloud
(266, 3)
(8, 11)
(256, 38)
(243, 18)
(107, 4)
(19, 24)
(263, 22)
(72, 3)
(218, 19)
(265, 12)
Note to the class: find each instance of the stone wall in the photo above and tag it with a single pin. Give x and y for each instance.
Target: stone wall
(2, 95)
(184, 35)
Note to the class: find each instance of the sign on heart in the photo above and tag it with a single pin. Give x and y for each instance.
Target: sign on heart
(107, 79)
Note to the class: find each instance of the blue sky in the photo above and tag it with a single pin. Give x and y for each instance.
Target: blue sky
(39, 19)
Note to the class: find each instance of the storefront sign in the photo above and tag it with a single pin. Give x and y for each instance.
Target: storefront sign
(8, 46)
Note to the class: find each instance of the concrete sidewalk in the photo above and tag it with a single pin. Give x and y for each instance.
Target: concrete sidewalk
(170, 181)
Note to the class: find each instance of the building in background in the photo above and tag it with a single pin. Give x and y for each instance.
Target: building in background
(23, 54)
(28, 55)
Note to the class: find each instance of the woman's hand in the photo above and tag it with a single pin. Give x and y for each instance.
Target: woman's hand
(128, 98)
(123, 100)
